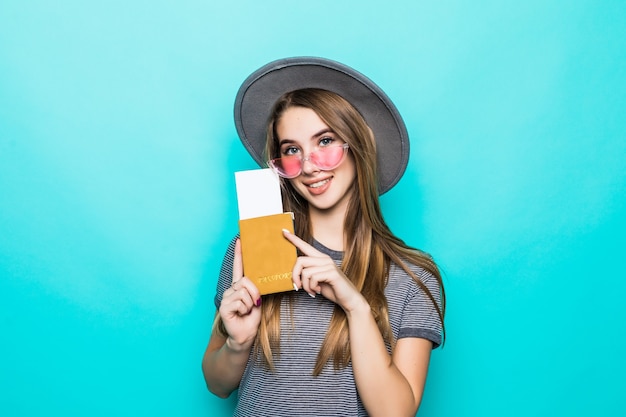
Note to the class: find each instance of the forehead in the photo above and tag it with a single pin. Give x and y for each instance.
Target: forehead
(299, 123)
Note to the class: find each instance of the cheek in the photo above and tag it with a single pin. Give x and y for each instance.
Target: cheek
(296, 186)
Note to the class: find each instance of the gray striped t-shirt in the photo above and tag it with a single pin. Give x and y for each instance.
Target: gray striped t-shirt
(291, 390)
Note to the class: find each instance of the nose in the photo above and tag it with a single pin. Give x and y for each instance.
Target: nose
(308, 167)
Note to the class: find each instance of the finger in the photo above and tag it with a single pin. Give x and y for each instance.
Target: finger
(245, 302)
(245, 284)
(323, 262)
(313, 277)
(237, 262)
(296, 273)
(304, 247)
(237, 302)
(307, 279)
(306, 285)
(234, 308)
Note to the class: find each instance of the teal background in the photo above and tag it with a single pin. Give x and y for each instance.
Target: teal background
(117, 153)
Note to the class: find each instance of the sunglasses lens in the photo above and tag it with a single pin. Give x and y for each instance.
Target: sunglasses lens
(328, 158)
(325, 158)
(287, 166)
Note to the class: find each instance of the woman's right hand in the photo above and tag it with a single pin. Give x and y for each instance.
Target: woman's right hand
(240, 309)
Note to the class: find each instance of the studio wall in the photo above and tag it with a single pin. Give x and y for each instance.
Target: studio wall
(117, 197)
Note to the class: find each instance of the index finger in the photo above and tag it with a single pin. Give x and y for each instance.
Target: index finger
(237, 262)
(304, 247)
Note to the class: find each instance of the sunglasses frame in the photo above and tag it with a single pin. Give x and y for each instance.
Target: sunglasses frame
(345, 147)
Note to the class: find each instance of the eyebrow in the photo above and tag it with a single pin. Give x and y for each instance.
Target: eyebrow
(321, 132)
(315, 135)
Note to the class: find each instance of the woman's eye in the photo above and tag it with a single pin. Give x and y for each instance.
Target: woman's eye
(326, 140)
(291, 150)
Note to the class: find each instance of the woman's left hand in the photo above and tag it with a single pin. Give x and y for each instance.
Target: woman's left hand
(317, 273)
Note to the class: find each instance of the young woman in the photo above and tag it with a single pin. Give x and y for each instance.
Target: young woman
(355, 337)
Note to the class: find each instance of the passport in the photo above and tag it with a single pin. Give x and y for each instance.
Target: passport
(268, 258)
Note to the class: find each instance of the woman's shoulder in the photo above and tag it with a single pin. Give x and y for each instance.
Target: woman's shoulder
(398, 270)
(401, 283)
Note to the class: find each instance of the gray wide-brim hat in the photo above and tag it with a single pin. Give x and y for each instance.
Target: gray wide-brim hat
(264, 87)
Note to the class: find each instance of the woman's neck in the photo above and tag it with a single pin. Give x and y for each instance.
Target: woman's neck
(327, 227)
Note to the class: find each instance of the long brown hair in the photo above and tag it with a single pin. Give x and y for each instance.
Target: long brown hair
(370, 246)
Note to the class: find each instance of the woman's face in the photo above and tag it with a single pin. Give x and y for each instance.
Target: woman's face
(300, 131)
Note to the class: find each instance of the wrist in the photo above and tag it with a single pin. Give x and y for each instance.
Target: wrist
(238, 347)
(359, 307)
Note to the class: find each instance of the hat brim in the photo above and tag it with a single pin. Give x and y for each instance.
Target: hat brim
(264, 87)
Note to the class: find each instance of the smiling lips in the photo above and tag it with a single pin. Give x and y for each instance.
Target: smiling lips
(319, 187)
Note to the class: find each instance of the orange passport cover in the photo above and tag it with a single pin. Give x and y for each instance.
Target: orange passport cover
(268, 258)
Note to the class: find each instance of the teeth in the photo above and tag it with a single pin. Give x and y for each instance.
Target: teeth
(318, 184)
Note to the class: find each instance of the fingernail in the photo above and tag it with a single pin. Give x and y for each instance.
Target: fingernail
(286, 231)
(312, 295)
(295, 287)
(258, 302)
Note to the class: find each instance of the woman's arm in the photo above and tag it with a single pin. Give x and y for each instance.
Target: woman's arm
(388, 385)
(223, 363)
(226, 355)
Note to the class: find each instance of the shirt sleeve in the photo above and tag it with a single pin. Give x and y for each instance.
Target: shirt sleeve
(225, 278)
(419, 316)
